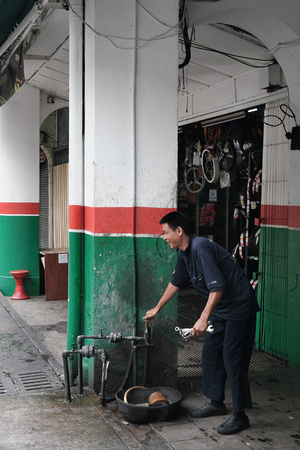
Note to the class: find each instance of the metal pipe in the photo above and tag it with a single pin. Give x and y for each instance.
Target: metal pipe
(134, 365)
(79, 360)
(76, 159)
(65, 355)
(89, 351)
(71, 366)
(103, 377)
(134, 169)
(102, 398)
(71, 369)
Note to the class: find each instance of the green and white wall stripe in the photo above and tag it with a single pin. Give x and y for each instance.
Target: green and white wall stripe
(19, 190)
(279, 291)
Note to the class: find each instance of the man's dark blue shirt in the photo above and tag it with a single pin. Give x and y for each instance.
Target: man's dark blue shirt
(211, 268)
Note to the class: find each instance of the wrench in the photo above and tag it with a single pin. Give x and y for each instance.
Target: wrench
(186, 333)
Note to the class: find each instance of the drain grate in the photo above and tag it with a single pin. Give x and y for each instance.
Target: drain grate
(190, 366)
(35, 381)
(2, 388)
(29, 382)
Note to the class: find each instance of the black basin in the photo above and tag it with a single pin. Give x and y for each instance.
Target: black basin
(144, 414)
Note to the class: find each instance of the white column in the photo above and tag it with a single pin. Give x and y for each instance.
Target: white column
(19, 148)
(131, 104)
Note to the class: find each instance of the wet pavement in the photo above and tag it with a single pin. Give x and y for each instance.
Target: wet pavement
(35, 414)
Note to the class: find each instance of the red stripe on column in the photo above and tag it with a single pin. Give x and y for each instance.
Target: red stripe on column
(19, 208)
(108, 220)
(294, 216)
(280, 216)
(147, 219)
(76, 217)
(140, 220)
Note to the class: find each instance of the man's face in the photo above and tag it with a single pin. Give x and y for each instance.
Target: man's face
(171, 237)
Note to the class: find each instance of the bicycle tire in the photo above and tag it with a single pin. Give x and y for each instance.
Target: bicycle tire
(210, 166)
(226, 153)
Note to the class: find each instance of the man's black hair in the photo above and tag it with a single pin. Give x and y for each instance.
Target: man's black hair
(177, 219)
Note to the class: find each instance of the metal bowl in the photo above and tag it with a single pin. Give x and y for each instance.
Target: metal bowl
(137, 410)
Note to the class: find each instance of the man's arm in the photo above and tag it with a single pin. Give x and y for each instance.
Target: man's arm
(170, 291)
(201, 324)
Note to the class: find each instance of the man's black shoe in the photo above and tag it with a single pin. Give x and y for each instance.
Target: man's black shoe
(234, 425)
(209, 410)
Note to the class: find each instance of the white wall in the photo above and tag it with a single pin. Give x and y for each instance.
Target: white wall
(19, 146)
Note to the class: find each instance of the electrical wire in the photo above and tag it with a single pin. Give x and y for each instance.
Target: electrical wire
(110, 38)
(238, 58)
(280, 121)
(284, 109)
(171, 27)
(203, 47)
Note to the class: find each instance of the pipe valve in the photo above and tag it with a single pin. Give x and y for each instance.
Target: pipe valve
(115, 338)
(88, 351)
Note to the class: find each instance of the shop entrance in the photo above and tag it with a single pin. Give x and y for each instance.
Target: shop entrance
(219, 179)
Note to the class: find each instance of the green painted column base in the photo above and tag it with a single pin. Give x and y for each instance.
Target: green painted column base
(123, 277)
(19, 250)
(278, 331)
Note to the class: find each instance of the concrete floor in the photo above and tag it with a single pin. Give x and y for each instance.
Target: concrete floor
(47, 320)
(46, 420)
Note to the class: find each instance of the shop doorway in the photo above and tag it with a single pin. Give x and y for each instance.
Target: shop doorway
(54, 205)
(219, 179)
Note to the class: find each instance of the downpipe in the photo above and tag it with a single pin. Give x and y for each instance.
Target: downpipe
(89, 351)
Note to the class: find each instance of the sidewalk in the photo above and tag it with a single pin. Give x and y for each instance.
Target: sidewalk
(32, 338)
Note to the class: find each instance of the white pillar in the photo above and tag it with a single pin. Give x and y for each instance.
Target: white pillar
(130, 168)
(19, 189)
(131, 104)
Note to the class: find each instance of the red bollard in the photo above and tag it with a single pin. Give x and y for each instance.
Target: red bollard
(19, 276)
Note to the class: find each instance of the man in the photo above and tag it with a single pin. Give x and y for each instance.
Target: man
(231, 306)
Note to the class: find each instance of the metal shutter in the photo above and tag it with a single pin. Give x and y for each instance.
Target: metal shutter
(44, 205)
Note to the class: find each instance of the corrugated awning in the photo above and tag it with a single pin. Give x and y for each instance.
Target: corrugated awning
(12, 12)
(17, 17)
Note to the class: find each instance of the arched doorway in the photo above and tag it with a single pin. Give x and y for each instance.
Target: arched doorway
(54, 205)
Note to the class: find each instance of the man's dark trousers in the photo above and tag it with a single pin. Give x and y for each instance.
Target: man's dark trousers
(226, 354)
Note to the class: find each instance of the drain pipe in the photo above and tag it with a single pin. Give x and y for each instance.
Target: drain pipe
(76, 183)
(135, 348)
(65, 356)
(135, 272)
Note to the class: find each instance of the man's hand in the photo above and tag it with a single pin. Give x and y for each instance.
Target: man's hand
(200, 327)
(151, 314)
(170, 291)
(202, 323)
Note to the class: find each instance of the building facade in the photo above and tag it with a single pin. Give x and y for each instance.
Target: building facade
(126, 100)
